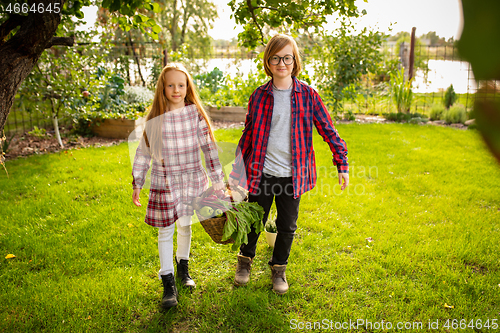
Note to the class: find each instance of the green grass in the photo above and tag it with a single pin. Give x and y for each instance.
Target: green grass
(427, 197)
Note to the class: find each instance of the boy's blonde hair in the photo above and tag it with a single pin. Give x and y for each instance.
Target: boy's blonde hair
(162, 105)
(275, 45)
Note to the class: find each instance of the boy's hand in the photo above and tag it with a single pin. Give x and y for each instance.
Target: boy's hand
(345, 177)
(233, 182)
(135, 197)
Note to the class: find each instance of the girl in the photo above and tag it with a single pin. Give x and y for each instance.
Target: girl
(276, 158)
(177, 127)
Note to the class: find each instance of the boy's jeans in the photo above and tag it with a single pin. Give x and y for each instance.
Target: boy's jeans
(281, 189)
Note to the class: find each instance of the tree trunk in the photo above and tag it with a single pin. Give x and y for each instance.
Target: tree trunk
(21, 52)
(55, 122)
(185, 22)
(173, 27)
(136, 58)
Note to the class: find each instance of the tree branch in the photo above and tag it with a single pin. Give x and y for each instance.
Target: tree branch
(252, 8)
(14, 21)
(270, 8)
(66, 41)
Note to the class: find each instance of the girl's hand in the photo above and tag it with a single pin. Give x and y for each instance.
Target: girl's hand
(135, 197)
(345, 177)
(218, 186)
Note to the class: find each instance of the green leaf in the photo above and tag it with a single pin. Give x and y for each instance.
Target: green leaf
(156, 29)
(480, 40)
(138, 19)
(156, 8)
(230, 226)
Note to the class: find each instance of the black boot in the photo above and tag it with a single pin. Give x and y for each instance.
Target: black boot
(183, 273)
(169, 298)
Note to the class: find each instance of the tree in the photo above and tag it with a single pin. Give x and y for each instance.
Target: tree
(187, 17)
(183, 22)
(433, 38)
(29, 27)
(345, 59)
(258, 17)
(61, 82)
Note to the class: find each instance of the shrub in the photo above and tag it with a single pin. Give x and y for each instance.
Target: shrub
(401, 91)
(436, 112)
(124, 111)
(82, 124)
(450, 97)
(271, 225)
(234, 92)
(38, 132)
(456, 114)
(349, 115)
(138, 94)
(405, 117)
(418, 120)
(212, 81)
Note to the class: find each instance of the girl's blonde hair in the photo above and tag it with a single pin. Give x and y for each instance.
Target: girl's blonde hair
(162, 105)
(276, 43)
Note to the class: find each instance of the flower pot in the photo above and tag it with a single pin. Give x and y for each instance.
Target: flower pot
(270, 238)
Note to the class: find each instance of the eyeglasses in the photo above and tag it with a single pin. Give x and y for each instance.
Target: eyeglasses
(287, 59)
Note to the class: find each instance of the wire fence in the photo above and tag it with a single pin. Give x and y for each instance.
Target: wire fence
(436, 68)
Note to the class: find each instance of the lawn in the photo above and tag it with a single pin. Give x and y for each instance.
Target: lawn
(413, 241)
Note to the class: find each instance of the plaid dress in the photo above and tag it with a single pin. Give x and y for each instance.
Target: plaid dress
(178, 176)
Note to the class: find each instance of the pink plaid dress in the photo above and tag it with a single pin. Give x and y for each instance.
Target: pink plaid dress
(180, 177)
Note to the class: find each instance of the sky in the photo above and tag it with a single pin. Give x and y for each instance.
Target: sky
(442, 16)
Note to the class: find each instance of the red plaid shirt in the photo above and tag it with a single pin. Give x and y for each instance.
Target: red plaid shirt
(307, 109)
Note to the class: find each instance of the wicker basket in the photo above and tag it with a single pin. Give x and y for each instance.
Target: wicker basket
(214, 226)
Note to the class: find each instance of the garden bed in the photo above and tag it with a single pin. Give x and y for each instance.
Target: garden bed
(25, 145)
(228, 113)
(118, 128)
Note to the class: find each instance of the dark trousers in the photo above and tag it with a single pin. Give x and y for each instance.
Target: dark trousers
(281, 189)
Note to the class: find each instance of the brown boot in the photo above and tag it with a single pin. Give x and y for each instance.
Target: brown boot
(280, 286)
(243, 270)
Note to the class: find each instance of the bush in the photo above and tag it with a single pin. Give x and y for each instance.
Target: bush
(82, 124)
(402, 93)
(234, 92)
(450, 97)
(138, 94)
(456, 114)
(38, 132)
(405, 117)
(418, 120)
(212, 81)
(436, 112)
(124, 111)
(271, 225)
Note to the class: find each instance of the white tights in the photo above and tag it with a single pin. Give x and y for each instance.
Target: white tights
(166, 244)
